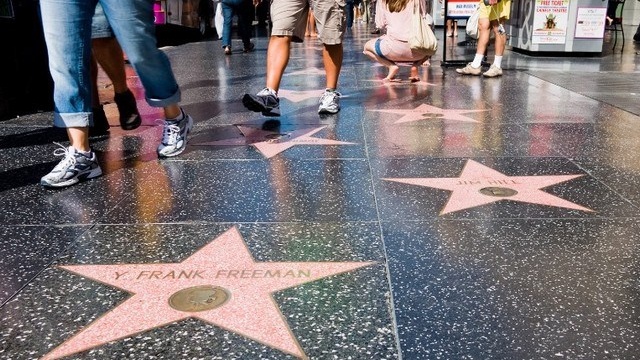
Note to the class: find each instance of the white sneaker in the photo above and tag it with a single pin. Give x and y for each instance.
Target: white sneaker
(469, 70)
(174, 136)
(73, 168)
(493, 71)
(329, 102)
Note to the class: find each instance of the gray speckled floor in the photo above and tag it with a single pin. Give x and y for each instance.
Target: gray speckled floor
(511, 233)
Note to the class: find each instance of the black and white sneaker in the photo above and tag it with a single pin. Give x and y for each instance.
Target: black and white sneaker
(73, 168)
(266, 102)
(174, 136)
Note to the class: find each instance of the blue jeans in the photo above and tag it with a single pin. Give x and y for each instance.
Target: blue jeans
(244, 10)
(67, 30)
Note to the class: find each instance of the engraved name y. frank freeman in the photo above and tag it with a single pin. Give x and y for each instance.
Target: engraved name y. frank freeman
(220, 284)
(481, 185)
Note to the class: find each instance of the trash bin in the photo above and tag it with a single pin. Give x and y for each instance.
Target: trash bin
(25, 83)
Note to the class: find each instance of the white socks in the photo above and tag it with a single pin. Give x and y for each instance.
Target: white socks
(477, 61)
(497, 61)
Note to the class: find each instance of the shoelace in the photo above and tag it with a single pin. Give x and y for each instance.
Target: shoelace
(170, 133)
(328, 96)
(69, 159)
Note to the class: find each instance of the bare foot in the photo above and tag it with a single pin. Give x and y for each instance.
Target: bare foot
(393, 71)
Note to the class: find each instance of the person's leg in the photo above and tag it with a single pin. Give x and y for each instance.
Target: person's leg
(245, 12)
(484, 28)
(370, 51)
(500, 38)
(289, 19)
(475, 67)
(109, 55)
(332, 58)
(67, 29)
(500, 44)
(227, 13)
(266, 101)
(277, 60)
(100, 122)
(349, 10)
(133, 24)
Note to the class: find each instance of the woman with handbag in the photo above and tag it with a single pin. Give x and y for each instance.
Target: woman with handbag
(492, 16)
(393, 47)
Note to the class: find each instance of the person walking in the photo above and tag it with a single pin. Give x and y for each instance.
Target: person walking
(245, 11)
(289, 19)
(492, 18)
(393, 47)
(67, 29)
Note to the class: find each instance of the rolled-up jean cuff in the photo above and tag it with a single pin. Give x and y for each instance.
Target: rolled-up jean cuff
(171, 100)
(68, 120)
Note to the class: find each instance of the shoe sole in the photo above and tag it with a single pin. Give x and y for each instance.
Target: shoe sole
(468, 73)
(327, 111)
(80, 177)
(251, 104)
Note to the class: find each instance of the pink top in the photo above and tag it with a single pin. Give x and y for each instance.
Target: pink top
(398, 24)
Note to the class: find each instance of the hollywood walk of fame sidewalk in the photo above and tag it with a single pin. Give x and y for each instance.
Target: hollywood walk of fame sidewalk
(457, 217)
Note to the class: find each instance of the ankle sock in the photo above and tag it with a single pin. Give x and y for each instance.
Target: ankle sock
(477, 61)
(497, 61)
(84, 153)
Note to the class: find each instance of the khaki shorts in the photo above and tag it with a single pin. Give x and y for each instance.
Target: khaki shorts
(289, 18)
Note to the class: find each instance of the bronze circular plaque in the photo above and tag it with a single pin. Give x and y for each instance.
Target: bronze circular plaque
(199, 298)
(498, 191)
(432, 115)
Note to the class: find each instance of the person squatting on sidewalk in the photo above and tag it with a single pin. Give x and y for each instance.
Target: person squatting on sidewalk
(67, 29)
(289, 19)
(492, 17)
(393, 47)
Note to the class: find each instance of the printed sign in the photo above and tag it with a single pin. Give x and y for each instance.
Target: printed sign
(460, 8)
(590, 23)
(550, 22)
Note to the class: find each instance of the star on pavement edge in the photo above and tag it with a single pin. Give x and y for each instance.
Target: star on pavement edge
(480, 185)
(429, 112)
(239, 297)
(275, 142)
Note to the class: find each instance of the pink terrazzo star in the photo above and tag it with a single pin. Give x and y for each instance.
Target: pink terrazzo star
(480, 185)
(163, 293)
(428, 112)
(271, 143)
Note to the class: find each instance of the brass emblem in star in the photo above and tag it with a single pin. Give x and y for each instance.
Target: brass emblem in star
(480, 185)
(429, 112)
(220, 284)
